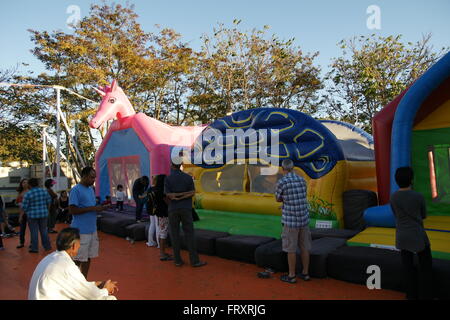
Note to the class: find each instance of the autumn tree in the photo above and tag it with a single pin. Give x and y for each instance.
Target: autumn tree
(20, 138)
(239, 70)
(106, 44)
(371, 73)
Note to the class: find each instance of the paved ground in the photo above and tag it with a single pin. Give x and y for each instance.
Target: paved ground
(142, 276)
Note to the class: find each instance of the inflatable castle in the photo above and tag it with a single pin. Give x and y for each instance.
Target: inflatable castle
(235, 178)
(237, 196)
(414, 130)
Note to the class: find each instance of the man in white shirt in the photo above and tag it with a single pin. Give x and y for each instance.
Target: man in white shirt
(57, 277)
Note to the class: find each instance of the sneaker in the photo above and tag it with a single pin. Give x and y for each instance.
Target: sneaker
(263, 275)
(20, 246)
(269, 270)
(199, 264)
(304, 277)
(33, 251)
(166, 257)
(286, 278)
(150, 244)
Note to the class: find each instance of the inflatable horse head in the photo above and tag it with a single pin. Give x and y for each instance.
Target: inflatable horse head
(115, 104)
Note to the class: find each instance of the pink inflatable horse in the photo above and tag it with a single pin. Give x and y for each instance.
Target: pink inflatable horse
(157, 137)
(114, 104)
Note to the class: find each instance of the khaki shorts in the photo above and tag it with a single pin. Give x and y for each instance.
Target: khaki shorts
(88, 247)
(296, 237)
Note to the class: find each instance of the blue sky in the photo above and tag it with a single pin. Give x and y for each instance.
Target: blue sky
(316, 25)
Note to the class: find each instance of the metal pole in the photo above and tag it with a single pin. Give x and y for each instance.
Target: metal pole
(44, 152)
(58, 137)
(71, 138)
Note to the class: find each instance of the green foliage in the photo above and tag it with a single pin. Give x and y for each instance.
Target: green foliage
(20, 143)
(240, 70)
(320, 209)
(371, 73)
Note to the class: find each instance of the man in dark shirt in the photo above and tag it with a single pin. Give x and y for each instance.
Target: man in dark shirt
(409, 209)
(179, 188)
(139, 195)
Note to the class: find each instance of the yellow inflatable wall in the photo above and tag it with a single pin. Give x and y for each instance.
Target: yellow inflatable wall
(324, 194)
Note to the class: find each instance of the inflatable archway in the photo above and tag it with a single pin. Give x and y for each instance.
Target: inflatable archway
(414, 130)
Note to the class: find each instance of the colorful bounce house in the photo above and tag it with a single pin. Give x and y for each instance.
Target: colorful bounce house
(135, 144)
(414, 130)
(235, 176)
(237, 195)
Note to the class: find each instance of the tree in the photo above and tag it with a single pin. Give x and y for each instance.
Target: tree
(239, 70)
(20, 139)
(371, 73)
(20, 143)
(107, 44)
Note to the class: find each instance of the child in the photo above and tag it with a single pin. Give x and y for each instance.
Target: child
(120, 196)
(63, 208)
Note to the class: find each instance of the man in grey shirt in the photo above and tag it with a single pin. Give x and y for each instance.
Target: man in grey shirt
(410, 209)
(179, 188)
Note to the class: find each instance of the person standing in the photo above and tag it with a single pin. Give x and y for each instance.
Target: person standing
(53, 210)
(22, 190)
(120, 198)
(36, 203)
(179, 188)
(161, 202)
(153, 230)
(140, 187)
(291, 190)
(83, 208)
(409, 209)
(63, 208)
(57, 277)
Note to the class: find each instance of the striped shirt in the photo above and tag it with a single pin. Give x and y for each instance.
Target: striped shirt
(291, 189)
(36, 202)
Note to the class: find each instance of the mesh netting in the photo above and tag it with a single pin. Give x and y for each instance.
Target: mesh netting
(124, 171)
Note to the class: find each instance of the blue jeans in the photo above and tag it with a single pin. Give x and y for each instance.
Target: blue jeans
(139, 207)
(39, 225)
